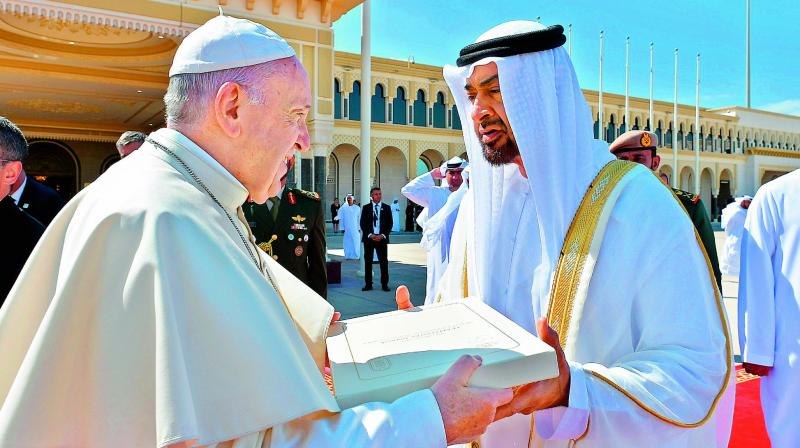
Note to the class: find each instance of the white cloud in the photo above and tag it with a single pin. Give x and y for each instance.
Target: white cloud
(789, 107)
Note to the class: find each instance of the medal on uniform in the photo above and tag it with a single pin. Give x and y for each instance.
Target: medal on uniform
(305, 238)
(291, 237)
(298, 218)
(298, 250)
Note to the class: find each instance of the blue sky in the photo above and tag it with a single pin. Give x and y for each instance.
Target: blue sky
(433, 31)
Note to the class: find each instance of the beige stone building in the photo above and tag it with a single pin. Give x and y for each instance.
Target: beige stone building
(77, 73)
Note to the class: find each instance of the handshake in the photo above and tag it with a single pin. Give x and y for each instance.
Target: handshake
(467, 411)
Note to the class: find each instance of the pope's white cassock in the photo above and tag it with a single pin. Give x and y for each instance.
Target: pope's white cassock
(349, 216)
(647, 341)
(144, 319)
(769, 302)
(732, 220)
(436, 239)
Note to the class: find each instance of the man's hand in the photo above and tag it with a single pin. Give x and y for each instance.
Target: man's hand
(436, 173)
(541, 394)
(403, 298)
(756, 369)
(466, 411)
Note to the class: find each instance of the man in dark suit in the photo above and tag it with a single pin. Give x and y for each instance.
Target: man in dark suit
(291, 229)
(36, 198)
(20, 230)
(376, 224)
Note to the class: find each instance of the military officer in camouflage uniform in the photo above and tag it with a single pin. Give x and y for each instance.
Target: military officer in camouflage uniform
(640, 147)
(291, 229)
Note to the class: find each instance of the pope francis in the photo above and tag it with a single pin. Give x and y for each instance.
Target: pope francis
(147, 316)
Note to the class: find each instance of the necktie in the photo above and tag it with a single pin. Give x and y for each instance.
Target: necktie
(375, 216)
(276, 201)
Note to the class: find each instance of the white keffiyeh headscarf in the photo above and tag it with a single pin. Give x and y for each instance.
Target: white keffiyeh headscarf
(553, 127)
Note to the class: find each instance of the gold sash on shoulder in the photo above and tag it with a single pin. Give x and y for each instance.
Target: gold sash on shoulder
(576, 264)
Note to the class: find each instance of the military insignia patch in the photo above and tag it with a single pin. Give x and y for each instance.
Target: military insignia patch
(298, 218)
(310, 194)
(298, 251)
(646, 141)
(292, 198)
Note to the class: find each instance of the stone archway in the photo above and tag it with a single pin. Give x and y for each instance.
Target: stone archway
(393, 177)
(340, 180)
(686, 179)
(665, 173)
(725, 192)
(108, 161)
(430, 158)
(55, 165)
(706, 184)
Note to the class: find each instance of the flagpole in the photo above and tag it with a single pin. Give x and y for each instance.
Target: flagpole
(675, 128)
(366, 111)
(627, 78)
(747, 56)
(570, 40)
(601, 132)
(697, 130)
(650, 112)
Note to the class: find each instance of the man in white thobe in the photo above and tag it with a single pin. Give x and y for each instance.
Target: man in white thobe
(769, 303)
(349, 218)
(732, 220)
(424, 191)
(395, 215)
(148, 317)
(646, 356)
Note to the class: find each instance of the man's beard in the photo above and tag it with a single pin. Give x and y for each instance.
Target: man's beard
(503, 150)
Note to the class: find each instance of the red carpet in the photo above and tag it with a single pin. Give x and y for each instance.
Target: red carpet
(748, 420)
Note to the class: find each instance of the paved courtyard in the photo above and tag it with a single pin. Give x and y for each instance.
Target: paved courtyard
(407, 267)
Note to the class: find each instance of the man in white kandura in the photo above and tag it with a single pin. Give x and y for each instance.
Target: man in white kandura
(732, 220)
(395, 206)
(148, 317)
(424, 191)
(769, 303)
(349, 218)
(646, 356)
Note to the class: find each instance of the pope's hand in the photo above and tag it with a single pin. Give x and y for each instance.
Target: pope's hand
(403, 298)
(756, 369)
(541, 394)
(466, 411)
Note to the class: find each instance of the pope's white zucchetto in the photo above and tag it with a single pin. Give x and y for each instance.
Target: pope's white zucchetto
(227, 42)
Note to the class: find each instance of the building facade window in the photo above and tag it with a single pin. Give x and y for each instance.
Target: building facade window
(378, 105)
(456, 118)
(355, 102)
(420, 113)
(439, 110)
(337, 99)
(399, 115)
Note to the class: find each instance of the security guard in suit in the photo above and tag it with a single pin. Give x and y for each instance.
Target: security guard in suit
(640, 147)
(291, 229)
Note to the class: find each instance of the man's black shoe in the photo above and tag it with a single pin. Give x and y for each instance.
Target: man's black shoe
(386, 288)
(367, 288)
